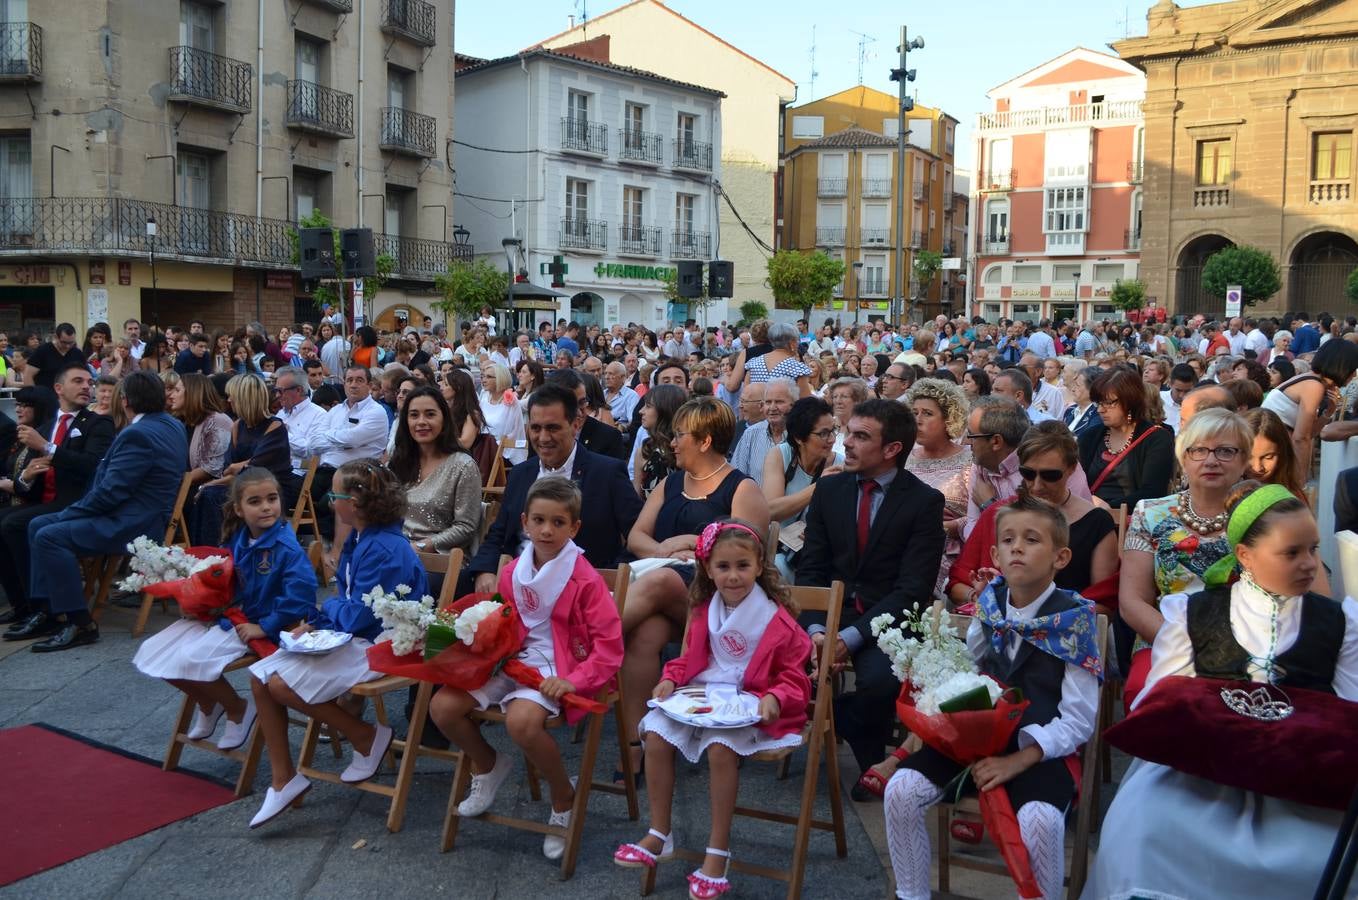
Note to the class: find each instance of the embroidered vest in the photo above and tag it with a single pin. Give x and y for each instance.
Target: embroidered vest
(1309, 663)
(1037, 674)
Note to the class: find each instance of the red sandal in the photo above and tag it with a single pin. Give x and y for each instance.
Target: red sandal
(874, 782)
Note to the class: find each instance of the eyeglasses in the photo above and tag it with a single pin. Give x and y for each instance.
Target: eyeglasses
(1106, 404)
(827, 434)
(1051, 476)
(1223, 454)
(887, 375)
(976, 437)
(332, 496)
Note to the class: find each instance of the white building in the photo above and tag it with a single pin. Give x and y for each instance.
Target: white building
(610, 167)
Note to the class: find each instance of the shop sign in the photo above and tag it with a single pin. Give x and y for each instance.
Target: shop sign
(124, 271)
(32, 274)
(97, 272)
(281, 281)
(640, 273)
(1025, 292)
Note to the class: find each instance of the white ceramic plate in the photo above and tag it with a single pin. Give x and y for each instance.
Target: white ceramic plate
(710, 706)
(314, 642)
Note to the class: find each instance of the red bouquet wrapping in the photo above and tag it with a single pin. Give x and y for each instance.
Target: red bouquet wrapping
(968, 737)
(498, 637)
(209, 595)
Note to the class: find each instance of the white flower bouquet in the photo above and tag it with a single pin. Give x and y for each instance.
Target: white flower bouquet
(153, 564)
(928, 654)
(405, 620)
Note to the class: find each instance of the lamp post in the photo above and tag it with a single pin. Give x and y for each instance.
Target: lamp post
(151, 231)
(52, 168)
(857, 290)
(1077, 297)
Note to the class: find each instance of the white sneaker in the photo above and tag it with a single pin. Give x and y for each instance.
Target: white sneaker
(364, 766)
(554, 847)
(481, 794)
(204, 723)
(236, 733)
(276, 802)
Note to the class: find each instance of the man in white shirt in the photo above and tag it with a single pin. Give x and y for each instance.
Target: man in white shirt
(334, 354)
(331, 315)
(1256, 340)
(1040, 342)
(132, 330)
(622, 400)
(354, 429)
(1182, 379)
(1236, 337)
(1016, 386)
(1048, 399)
(300, 415)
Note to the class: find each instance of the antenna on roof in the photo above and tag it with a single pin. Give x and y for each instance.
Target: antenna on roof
(863, 41)
(814, 73)
(583, 6)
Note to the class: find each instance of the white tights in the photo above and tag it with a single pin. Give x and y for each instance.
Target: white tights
(909, 794)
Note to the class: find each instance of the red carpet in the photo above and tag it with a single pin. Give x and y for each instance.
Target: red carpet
(66, 797)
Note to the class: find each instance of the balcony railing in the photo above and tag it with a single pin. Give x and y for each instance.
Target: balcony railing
(1211, 196)
(411, 19)
(319, 109)
(646, 147)
(999, 180)
(1105, 113)
(694, 155)
(406, 131)
(1131, 238)
(197, 76)
(917, 190)
(876, 187)
(1332, 191)
(830, 235)
(20, 51)
(996, 243)
(690, 244)
(876, 236)
(584, 136)
(339, 6)
(873, 286)
(103, 226)
(420, 259)
(1135, 171)
(832, 187)
(583, 234)
(916, 239)
(638, 240)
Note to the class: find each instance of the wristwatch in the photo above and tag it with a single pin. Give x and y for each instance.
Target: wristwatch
(51, 449)
(423, 545)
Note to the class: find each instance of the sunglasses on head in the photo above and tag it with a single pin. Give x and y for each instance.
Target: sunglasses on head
(1048, 475)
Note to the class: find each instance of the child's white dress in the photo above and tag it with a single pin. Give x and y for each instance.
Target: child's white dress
(189, 650)
(750, 619)
(319, 678)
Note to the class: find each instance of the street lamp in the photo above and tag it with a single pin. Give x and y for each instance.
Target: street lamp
(857, 290)
(1077, 297)
(461, 236)
(151, 231)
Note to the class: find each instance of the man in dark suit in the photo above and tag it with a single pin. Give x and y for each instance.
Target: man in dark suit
(595, 435)
(611, 504)
(878, 529)
(70, 452)
(132, 494)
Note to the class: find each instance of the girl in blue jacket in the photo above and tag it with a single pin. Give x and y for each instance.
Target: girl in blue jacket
(367, 497)
(275, 587)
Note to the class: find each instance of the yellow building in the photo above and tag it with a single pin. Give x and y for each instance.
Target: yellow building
(838, 191)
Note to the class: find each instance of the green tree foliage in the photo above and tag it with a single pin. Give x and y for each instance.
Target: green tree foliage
(804, 280)
(671, 291)
(1129, 293)
(1351, 286)
(1251, 268)
(468, 286)
(753, 311)
(924, 270)
(325, 293)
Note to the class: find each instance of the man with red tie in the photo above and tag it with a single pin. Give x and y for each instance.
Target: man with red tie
(878, 529)
(60, 474)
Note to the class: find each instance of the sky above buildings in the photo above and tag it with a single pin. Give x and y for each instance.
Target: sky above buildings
(970, 45)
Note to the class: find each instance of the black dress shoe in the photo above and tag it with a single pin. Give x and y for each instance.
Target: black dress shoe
(40, 624)
(69, 636)
(13, 616)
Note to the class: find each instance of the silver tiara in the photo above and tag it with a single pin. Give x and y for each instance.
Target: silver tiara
(1258, 703)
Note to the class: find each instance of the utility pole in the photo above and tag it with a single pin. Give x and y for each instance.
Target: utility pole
(902, 76)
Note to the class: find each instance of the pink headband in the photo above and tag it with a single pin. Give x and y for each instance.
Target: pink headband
(710, 533)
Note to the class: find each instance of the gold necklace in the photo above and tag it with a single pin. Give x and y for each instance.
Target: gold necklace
(709, 474)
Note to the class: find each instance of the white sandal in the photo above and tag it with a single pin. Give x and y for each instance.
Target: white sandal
(635, 856)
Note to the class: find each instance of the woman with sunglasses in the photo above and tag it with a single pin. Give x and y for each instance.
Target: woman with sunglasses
(1126, 457)
(792, 468)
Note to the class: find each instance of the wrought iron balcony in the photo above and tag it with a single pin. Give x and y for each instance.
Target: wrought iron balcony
(638, 240)
(583, 234)
(876, 187)
(996, 243)
(998, 180)
(319, 109)
(206, 79)
(339, 6)
(419, 259)
(829, 235)
(645, 147)
(873, 286)
(917, 190)
(832, 187)
(584, 136)
(876, 236)
(410, 19)
(20, 51)
(1131, 238)
(690, 244)
(916, 239)
(406, 131)
(694, 155)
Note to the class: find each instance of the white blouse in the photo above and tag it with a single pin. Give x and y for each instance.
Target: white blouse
(1251, 625)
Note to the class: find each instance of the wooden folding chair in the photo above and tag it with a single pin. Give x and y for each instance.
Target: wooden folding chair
(818, 736)
(1121, 516)
(304, 510)
(489, 513)
(1087, 803)
(99, 572)
(771, 543)
(409, 748)
(246, 754)
(572, 832)
(177, 532)
(494, 488)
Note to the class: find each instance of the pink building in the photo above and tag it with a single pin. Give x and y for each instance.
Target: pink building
(1057, 197)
